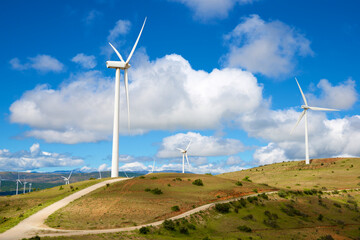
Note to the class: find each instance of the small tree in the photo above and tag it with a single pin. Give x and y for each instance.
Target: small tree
(144, 230)
(198, 182)
(244, 228)
(169, 225)
(222, 207)
(175, 208)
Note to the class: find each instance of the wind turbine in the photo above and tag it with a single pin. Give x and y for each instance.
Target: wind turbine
(304, 113)
(24, 186)
(184, 154)
(99, 174)
(120, 65)
(67, 179)
(153, 168)
(30, 187)
(17, 184)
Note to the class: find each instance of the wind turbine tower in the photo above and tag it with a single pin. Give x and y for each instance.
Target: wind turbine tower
(17, 184)
(24, 186)
(120, 65)
(184, 154)
(30, 187)
(304, 113)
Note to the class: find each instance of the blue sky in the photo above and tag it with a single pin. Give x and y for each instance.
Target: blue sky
(219, 73)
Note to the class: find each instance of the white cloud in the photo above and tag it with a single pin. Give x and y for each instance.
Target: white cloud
(342, 96)
(84, 112)
(92, 16)
(269, 154)
(35, 159)
(207, 9)
(121, 27)
(42, 63)
(104, 167)
(85, 61)
(133, 167)
(264, 47)
(233, 160)
(200, 145)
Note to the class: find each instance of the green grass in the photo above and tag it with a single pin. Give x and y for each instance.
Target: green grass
(322, 174)
(14, 209)
(133, 202)
(303, 226)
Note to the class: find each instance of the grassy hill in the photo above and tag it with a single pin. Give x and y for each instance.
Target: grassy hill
(323, 174)
(15, 208)
(146, 199)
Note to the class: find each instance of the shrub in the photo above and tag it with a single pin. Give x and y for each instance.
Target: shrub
(108, 185)
(271, 223)
(242, 202)
(248, 217)
(156, 191)
(327, 237)
(244, 228)
(34, 238)
(61, 188)
(198, 182)
(183, 230)
(247, 179)
(92, 178)
(291, 211)
(169, 225)
(154, 178)
(238, 183)
(141, 177)
(147, 189)
(222, 207)
(255, 190)
(264, 196)
(144, 230)
(272, 216)
(320, 217)
(175, 208)
(191, 226)
(252, 199)
(282, 194)
(337, 205)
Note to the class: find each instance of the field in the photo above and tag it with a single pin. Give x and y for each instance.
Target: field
(295, 215)
(128, 204)
(324, 174)
(14, 208)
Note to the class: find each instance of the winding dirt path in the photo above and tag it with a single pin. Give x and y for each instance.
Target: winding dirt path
(32, 225)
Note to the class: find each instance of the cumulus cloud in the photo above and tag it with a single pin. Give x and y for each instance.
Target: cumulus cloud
(268, 48)
(122, 27)
(269, 154)
(341, 96)
(200, 145)
(85, 61)
(84, 111)
(208, 9)
(91, 16)
(42, 63)
(35, 159)
(233, 160)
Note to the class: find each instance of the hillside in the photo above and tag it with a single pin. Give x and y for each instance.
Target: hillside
(146, 199)
(322, 174)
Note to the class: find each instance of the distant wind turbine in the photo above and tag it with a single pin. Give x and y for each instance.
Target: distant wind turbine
(30, 187)
(120, 65)
(153, 167)
(67, 179)
(184, 154)
(99, 174)
(304, 113)
(24, 189)
(17, 184)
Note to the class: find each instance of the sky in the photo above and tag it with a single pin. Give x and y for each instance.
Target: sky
(218, 73)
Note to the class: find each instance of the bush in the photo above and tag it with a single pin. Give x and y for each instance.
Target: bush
(198, 182)
(327, 237)
(255, 190)
(156, 191)
(34, 238)
(247, 179)
(144, 230)
(242, 202)
(271, 223)
(238, 183)
(272, 216)
(337, 205)
(61, 188)
(248, 217)
(183, 230)
(244, 228)
(154, 178)
(222, 207)
(141, 177)
(264, 196)
(291, 211)
(252, 199)
(147, 189)
(320, 217)
(108, 185)
(169, 225)
(175, 208)
(282, 194)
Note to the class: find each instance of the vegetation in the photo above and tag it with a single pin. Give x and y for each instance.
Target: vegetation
(198, 182)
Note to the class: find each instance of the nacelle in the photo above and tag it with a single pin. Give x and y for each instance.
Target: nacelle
(117, 64)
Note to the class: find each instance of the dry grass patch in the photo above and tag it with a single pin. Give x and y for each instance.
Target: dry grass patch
(128, 204)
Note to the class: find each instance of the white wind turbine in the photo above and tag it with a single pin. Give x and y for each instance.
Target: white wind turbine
(25, 182)
(153, 167)
(17, 184)
(184, 154)
(67, 179)
(99, 174)
(30, 187)
(120, 65)
(304, 113)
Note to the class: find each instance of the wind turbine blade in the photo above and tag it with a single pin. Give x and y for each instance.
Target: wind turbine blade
(322, 109)
(188, 146)
(117, 53)
(303, 96)
(187, 160)
(297, 123)
(127, 95)
(181, 150)
(137, 40)
(70, 175)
